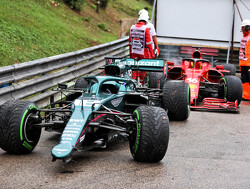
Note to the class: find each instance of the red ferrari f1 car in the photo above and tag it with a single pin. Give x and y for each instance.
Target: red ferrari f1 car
(211, 88)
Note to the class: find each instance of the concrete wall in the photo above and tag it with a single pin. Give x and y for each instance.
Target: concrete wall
(125, 25)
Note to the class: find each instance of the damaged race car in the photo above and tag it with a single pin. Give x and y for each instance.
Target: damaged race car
(97, 110)
(212, 88)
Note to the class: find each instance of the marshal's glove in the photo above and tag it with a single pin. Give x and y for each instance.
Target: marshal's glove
(157, 52)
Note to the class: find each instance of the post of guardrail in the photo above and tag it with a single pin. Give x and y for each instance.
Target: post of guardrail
(52, 100)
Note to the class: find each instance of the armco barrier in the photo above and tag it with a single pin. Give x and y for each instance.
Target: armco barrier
(33, 80)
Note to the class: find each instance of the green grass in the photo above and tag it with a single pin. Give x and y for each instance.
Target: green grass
(130, 7)
(32, 29)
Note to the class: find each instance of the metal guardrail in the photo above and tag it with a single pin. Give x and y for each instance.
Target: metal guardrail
(34, 79)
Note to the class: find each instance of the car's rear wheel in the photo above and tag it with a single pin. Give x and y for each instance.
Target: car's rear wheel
(17, 133)
(176, 99)
(154, 79)
(81, 83)
(231, 88)
(229, 67)
(149, 137)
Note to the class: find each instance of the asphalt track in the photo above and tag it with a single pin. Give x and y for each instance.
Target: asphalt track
(209, 150)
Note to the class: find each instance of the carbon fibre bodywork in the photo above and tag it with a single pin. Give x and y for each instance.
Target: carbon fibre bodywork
(207, 89)
(103, 109)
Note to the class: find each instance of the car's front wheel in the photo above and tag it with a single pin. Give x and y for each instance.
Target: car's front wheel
(17, 133)
(231, 88)
(176, 99)
(149, 136)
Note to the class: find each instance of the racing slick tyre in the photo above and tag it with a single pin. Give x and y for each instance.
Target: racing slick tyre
(229, 67)
(162, 81)
(154, 79)
(231, 88)
(81, 83)
(17, 135)
(176, 99)
(149, 137)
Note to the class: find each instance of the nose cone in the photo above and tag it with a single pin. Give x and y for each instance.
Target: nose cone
(62, 150)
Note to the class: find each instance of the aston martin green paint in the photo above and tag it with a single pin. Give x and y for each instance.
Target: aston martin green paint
(98, 110)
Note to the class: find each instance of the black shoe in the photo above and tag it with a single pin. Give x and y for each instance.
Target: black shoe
(243, 99)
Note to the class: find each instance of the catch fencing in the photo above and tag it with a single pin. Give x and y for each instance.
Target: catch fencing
(34, 80)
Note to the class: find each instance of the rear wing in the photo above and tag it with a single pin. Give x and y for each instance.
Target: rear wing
(152, 65)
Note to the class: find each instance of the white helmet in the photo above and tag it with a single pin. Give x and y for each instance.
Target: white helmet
(144, 17)
(245, 22)
(143, 11)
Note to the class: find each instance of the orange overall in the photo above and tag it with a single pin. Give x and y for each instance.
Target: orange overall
(244, 63)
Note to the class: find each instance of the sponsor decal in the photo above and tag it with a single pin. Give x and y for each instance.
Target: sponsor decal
(72, 128)
(65, 142)
(74, 125)
(192, 86)
(138, 134)
(66, 138)
(86, 102)
(138, 137)
(76, 120)
(116, 102)
(61, 150)
(82, 138)
(192, 80)
(33, 106)
(68, 135)
(26, 145)
(69, 131)
(145, 63)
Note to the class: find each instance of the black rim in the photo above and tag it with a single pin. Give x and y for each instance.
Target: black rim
(134, 133)
(29, 131)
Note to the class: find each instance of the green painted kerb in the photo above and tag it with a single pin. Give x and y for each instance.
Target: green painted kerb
(21, 126)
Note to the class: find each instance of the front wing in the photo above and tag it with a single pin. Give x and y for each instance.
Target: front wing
(216, 104)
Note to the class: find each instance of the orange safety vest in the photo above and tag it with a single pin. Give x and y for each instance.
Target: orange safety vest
(244, 54)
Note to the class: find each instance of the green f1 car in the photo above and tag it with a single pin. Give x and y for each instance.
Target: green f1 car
(98, 109)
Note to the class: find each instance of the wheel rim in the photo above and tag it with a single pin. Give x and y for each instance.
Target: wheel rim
(134, 134)
(28, 130)
(224, 88)
(188, 100)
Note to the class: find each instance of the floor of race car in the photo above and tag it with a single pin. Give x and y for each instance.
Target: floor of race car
(209, 150)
